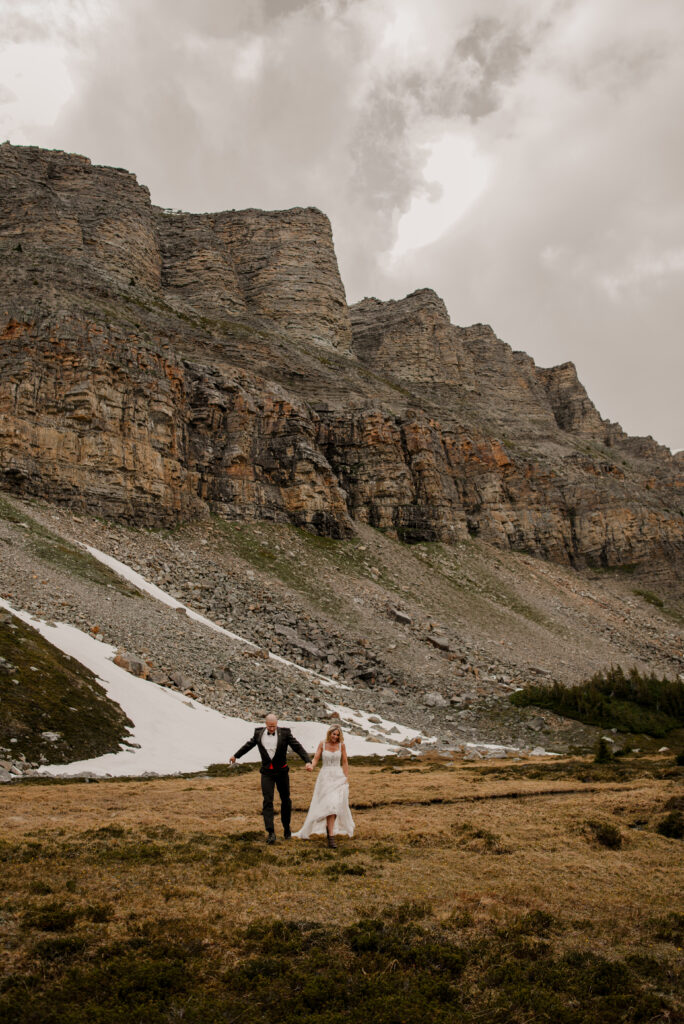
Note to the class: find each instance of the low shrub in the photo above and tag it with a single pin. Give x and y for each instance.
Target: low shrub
(337, 869)
(40, 888)
(387, 969)
(50, 917)
(606, 834)
(672, 825)
(480, 840)
(670, 928)
(650, 598)
(409, 910)
(99, 913)
(59, 947)
(604, 754)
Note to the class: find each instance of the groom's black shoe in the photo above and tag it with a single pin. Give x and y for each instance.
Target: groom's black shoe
(271, 838)
(288, 835)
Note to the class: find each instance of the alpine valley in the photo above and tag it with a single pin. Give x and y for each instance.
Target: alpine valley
(405, 505)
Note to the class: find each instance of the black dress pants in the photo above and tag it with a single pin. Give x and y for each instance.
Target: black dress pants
(269, 782)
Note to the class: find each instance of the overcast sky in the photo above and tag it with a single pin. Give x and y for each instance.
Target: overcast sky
(523, 158)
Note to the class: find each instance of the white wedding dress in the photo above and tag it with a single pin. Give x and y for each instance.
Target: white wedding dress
(330, 796)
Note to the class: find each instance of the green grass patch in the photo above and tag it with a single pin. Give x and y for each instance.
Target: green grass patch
(627, 569)
(56, 551)
(650, 598)
(50, 705)
(445, 560)
(60, 553)
(12, 515)
(290, 553)
(629, 702)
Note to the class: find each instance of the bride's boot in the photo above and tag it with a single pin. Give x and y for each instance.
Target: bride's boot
(332, 845)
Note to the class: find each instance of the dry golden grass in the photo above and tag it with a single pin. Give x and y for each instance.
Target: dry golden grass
(491, 846)
(469, 893)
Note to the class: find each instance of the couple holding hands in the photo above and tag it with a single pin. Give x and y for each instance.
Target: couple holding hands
(328, 812)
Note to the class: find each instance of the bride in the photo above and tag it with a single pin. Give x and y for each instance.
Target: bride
(329, 809)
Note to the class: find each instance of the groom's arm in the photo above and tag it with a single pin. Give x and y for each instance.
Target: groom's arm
(245, 747)
(298, 749)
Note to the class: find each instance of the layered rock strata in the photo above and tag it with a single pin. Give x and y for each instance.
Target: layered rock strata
(157, 365)
(278, 265)
(89, 418)
(80, 225)
(516, 453)
(412, 339)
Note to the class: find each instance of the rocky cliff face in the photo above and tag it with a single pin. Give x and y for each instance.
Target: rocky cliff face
(100, 420)
(157, 365)
(58, 210)
(78, 226)
(412, 339)
(279, 266)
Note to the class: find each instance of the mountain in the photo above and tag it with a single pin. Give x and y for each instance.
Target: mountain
(432, 636)
(157, 366)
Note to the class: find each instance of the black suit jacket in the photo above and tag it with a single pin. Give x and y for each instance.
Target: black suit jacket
(279, 761)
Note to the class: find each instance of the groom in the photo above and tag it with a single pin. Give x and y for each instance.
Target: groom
(272, 743)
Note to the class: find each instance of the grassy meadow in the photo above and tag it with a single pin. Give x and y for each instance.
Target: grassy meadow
(471, 892)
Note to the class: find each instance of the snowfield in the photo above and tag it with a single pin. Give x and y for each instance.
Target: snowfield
(172, 733)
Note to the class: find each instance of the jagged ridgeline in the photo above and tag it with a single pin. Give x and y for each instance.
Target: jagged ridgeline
(155, 365)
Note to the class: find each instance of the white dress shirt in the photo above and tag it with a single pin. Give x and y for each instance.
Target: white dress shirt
(269, 742)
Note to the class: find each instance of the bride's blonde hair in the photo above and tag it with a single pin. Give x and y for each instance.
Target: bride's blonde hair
(331, 730)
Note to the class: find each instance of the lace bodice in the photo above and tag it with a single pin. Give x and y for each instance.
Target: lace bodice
(331, 758)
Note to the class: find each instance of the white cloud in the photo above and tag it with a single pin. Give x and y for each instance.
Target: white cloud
(36, 85)
(523, 158)
(455, 174)
(646, 269)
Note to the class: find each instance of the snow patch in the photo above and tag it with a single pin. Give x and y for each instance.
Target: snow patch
(153, 590)
(171, 733)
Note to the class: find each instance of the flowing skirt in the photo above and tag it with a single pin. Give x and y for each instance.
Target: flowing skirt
(330, 796)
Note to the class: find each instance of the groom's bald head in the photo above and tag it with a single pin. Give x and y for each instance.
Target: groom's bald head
(271, 722)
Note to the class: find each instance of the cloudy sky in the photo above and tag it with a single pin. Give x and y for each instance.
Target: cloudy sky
(524, 158)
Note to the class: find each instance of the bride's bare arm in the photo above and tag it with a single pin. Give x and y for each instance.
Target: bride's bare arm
(317, 755)
(345, 762)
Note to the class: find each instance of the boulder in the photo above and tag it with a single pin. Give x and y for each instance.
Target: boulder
(51, 737)
(403, 617)
(131, 663)
(435, 700)
(182, 681)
